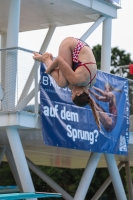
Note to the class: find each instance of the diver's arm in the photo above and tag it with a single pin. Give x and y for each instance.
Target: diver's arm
(100, 91)
(98, 97)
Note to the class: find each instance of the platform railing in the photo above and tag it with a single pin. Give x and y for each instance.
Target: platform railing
(22, 90)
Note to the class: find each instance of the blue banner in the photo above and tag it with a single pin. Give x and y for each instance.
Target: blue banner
(67, 125)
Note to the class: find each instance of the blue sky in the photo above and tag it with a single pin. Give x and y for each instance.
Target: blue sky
(122, 33)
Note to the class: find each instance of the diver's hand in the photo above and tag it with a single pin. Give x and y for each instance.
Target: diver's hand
(37, 57)
(45, 57)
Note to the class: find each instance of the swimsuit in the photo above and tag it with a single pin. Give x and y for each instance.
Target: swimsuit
(113, 110)
(113, 116)
(114, 120)
(76, 62)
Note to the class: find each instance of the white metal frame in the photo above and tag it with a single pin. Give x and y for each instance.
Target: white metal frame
(16, 156)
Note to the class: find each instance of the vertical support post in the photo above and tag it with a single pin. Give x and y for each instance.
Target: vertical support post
(87, 176)
(120, 71)
(36, 88)
(3, 62)
(3, 58)
(19, 159)
(129, 181)
(3, 40)
(13, 168)
(106, 45)
(115, 176)
(2, 152)
(105, 185)
(13, 23)
(11, 65)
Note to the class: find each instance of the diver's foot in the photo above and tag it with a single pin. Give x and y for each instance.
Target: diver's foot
(47, 59)
(46, 56)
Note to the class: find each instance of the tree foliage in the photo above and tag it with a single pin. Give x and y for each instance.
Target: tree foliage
(97, 53)
(118, 58)
(68, 179)
(6, 177)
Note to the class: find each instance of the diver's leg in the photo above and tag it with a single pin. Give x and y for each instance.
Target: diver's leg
(63, 60)
(105, 119)
(59, 78)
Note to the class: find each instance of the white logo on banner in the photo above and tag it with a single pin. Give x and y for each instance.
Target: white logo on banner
(122, 144)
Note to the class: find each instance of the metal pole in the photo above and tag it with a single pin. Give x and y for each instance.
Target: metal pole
(3, 58)
(129, 181)
(92, 28)
(106, 45)
(48, 180)
(115, 176)
(11, 64)
(3, 39)
(2, 152)
(120, 71)
(87, 176)
(36, 89)
(13, 168)
(13, 23)
(3, 63)
(47, 38)
(31, 76)
(105, 185)
(19, 159)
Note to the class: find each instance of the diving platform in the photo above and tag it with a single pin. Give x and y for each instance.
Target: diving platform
(35, 15)
(21, 139)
